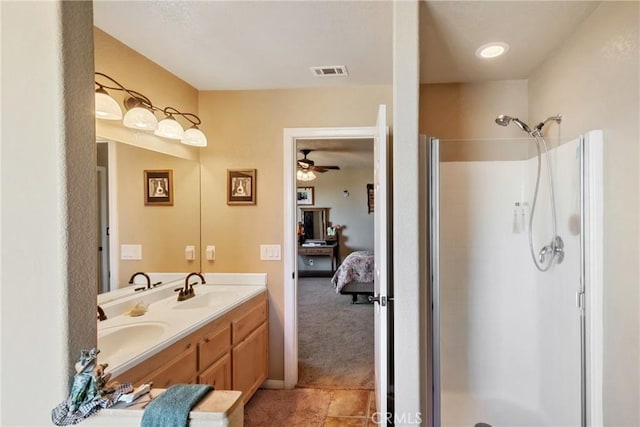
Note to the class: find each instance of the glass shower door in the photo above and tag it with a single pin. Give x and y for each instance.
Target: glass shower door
(507, 338)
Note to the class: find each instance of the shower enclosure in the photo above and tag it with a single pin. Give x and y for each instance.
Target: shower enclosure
(513, 345)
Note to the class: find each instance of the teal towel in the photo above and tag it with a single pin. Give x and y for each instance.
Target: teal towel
(171, 408)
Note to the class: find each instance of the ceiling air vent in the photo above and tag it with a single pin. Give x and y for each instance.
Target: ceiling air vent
(329, 71)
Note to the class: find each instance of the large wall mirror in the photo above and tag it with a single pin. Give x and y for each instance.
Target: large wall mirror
(162, 231)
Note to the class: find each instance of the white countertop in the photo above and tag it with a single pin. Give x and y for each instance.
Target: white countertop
(126, 341)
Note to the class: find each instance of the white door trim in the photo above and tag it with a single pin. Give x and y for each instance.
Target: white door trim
(291, 135)
(593, 242)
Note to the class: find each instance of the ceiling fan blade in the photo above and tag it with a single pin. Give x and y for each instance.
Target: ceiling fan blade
(329, 167)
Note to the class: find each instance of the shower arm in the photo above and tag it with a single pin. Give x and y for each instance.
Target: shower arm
(537, 130)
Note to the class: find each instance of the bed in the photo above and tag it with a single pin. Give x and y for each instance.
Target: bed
(355, 275)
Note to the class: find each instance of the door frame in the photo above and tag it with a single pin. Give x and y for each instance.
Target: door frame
(290, 248)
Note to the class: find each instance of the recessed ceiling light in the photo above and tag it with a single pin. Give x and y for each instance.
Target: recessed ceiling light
(492, 50)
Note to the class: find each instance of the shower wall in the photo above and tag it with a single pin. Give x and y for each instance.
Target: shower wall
(509, 334)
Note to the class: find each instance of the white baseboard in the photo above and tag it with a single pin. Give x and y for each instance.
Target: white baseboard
(273, 384)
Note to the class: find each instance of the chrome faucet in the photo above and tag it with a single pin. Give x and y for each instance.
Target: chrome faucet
(146, 276)
(187, 292)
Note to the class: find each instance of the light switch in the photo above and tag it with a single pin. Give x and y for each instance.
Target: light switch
(211, 253)
(270, 252)
(190, 252)
(131, 252)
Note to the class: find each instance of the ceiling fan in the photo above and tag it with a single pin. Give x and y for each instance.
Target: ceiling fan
(305, 164)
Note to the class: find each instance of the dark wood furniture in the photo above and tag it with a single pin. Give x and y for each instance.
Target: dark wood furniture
(327, 250)
(357, 288)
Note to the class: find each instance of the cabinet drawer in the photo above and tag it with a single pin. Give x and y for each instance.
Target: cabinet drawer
(248, 322)
(315, 251)
(218, 374)
(180, 370)
(213, 345)
(142, 372)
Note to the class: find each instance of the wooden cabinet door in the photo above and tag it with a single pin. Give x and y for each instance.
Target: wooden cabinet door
(213, 345)
(250, 362)
(218, 375)
(181, 370)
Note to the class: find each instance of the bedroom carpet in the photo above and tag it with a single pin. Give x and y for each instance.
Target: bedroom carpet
(335, 338)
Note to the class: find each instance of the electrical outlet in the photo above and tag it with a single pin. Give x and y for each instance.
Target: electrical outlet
(210, 253)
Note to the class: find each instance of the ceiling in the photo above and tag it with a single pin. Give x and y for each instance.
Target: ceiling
(345, 153)
(231, 45)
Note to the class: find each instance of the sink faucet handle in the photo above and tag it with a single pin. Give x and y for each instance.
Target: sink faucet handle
(100, 314)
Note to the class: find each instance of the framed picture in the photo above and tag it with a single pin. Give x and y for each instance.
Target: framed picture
(241, 186)
(305, 196)
(370, 198)
(158, 187)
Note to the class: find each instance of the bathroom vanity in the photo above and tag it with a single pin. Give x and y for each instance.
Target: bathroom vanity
(219, 337)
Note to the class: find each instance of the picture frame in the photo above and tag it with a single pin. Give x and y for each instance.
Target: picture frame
(158, 187)
(370, 198)
(241, 186)
(304, 196)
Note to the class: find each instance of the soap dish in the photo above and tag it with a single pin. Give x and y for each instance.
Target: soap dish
(138, 310)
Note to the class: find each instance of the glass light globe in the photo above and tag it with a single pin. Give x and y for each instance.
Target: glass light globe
(194, 137)
(305, 175)
(169, 128)
(106, 107)
(140, 118)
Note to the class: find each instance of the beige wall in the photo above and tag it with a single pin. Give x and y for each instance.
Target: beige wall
(356, 224)
(468, 110)
(593, 81)
(349, 212)
(245, 131)
(163, 231)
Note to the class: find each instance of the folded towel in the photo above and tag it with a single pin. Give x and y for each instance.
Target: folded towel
(171, 408)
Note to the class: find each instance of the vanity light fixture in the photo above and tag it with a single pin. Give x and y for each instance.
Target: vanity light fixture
(140, 114)
(106, 107)
(305, 175)
(492, 50)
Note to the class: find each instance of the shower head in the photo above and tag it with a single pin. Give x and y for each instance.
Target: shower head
(503, 120)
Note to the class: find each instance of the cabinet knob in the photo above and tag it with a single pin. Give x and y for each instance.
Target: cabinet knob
(207, 339)
(188, 346)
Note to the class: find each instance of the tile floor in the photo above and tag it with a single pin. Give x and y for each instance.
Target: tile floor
(351, 408)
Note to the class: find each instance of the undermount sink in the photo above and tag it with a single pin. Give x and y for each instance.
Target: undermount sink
(213, 298)
(136, 337)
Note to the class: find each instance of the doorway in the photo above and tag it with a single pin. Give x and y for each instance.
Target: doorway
(383, 346)
(334, 230)
(291, 138)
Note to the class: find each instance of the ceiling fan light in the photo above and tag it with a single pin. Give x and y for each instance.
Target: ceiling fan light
(106, 107)
(169, 128)
(305, 175)
(194, 137)
(140, 118)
